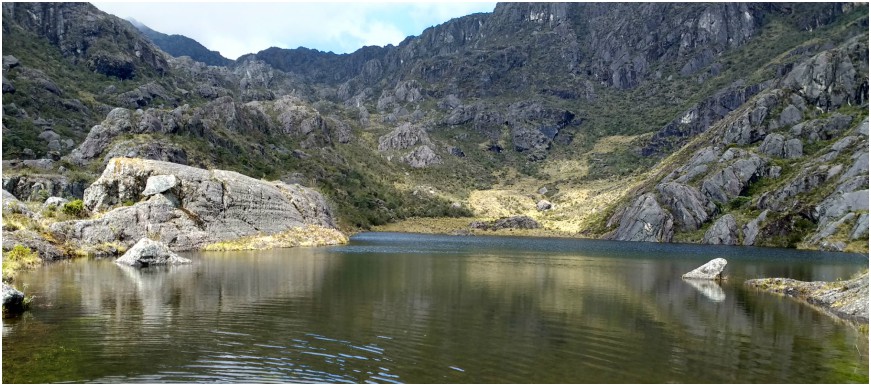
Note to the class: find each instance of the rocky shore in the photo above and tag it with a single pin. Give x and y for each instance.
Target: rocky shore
(181, 207)
(847, 299)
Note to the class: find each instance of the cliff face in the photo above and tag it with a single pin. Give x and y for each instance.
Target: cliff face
(789, 164)
(105, 44)
(720, 123)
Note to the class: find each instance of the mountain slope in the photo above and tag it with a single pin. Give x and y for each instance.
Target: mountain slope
(179, 45)
(606, 111)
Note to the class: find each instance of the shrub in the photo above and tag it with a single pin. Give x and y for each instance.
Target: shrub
(75, 208)
(18, 258)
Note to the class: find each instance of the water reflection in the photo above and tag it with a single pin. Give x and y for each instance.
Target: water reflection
(709, 288)
(422, 309)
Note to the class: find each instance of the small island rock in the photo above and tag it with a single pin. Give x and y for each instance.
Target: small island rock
(712, 270)
(148, 252)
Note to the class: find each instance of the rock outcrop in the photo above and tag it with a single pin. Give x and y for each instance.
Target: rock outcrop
(37, 187)
(689, 208)
(403, 137)
(13, 205)
(846, 299)
(108, 45)
(147, 252)
(712, 270)
(513, 222)
(724, 231)
(422, 157)
(645, 220)
(187, 207)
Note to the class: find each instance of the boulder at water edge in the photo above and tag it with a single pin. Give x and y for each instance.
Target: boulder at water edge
(712, 270)
(148, 252)
(13, 299)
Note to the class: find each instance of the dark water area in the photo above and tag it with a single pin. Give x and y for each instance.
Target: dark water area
(411, 308)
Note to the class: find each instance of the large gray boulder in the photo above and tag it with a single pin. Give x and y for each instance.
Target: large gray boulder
(147, 252)
(205, 206)
(724, 231)
(645, 220)
(13, 205)
(13, 299)
(54, 203)
(712, 270)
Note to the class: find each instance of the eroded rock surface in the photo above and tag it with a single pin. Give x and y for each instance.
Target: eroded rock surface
(204, 206)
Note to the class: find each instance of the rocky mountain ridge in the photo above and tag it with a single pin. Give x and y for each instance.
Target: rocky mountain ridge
(711, 113)
(178, 45)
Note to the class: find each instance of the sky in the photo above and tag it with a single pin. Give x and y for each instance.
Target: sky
(235, 29)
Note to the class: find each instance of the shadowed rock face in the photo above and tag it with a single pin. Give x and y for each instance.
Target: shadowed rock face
(107, 45)
(200, 207)
(645, 220)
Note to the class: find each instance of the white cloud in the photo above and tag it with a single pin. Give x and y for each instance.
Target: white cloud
(235, 29)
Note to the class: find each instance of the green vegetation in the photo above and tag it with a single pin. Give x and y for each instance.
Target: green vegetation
(17, 259)
(75, 208)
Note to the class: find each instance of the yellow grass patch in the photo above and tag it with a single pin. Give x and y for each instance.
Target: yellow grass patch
(308, 236)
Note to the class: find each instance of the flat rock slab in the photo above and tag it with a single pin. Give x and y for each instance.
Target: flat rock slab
(845, 299)
(712, 270)
(147, 252)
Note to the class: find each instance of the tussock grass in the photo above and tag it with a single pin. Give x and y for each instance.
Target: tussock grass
(308, 236)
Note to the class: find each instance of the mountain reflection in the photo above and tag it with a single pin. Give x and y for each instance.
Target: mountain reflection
(419, 309)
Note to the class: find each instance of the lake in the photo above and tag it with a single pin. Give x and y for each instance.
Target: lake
(411, 308)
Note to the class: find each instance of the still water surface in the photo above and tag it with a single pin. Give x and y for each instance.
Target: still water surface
(420, 308)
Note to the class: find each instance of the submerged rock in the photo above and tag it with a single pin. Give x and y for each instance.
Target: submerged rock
(147, 252)
(712, 270)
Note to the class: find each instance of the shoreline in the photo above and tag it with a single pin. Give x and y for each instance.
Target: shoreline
(843, 299)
